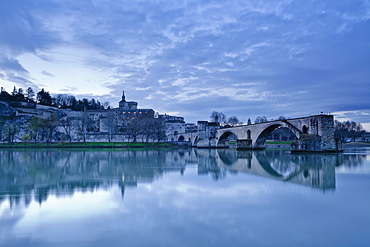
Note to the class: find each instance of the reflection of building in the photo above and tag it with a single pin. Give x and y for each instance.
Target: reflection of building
(37, 174)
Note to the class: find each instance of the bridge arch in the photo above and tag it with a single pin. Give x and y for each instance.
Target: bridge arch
(304, 129)
(181, 138)
(223, 140)
(262, 136)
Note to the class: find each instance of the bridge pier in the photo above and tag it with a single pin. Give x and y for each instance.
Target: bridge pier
(244, 144)
(315, 143)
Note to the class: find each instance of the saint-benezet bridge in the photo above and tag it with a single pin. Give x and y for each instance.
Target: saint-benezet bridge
(314, 133)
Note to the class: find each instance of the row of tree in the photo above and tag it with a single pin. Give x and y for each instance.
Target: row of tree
(221, 118)
(348, 129)
(43, 97)
(53, 127)
(17, 95)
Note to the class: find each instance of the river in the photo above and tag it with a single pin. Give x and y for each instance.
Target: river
(189, 197)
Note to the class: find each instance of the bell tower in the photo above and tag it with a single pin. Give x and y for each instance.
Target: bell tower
(123, 103)
(123, 96)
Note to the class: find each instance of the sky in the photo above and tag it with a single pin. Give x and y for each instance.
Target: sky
(188, 58)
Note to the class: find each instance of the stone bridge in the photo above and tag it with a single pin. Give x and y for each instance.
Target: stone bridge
(314, 134)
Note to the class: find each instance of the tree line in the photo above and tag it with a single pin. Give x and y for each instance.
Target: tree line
(55, 127)
(348, 130)
(222, 119)
(62, 101)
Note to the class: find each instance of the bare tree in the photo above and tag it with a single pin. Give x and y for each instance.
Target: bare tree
(50, 124)
(260, 119)
(348, 129)
(218, 117)
(68, 125)
(10, 131)
(34, 127)
(233, 120)
(158, 129)
(133, 129)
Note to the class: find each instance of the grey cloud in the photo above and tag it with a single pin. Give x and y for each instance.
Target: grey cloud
(11, 65)
(21, 31)
(69, 89)
(280, 57)
(47, 73)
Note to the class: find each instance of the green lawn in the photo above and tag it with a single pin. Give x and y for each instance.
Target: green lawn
(276, 142)
(84, 145)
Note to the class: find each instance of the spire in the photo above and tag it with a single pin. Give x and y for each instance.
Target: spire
(123, 96)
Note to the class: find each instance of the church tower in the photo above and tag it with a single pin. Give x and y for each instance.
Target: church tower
(122, 103)
(123, 96)
(131, 105)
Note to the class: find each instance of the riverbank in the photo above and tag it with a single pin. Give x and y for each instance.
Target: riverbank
(88, 145)
(278, 144)
(356, 144)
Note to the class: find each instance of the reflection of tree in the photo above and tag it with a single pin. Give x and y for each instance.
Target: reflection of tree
(39, 173)
(207, 164)
(353, 160)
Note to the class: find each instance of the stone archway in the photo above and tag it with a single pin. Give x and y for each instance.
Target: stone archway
(225, 138)
(262, 137)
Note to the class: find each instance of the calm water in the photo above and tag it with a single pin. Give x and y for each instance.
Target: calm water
(184, 198)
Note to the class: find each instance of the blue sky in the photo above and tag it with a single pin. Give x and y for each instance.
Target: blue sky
(189, 58)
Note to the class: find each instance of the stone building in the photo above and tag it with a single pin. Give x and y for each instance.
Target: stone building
(128, 111)
(102, 125)
(174, 127)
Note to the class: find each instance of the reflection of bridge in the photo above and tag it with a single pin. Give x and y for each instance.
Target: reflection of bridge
(314, 170)
(314, 134)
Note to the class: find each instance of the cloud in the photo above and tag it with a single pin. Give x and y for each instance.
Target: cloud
(247, 58)
(47, 73)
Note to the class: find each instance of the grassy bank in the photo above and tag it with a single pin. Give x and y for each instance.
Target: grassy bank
(87, 145)
(277, 142)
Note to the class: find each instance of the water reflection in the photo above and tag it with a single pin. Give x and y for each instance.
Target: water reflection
(61, 172)
(27, 175)
(314, 170)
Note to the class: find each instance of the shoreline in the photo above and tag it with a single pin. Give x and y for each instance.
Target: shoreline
(356, 144)
(130, 145)
(88, 145)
